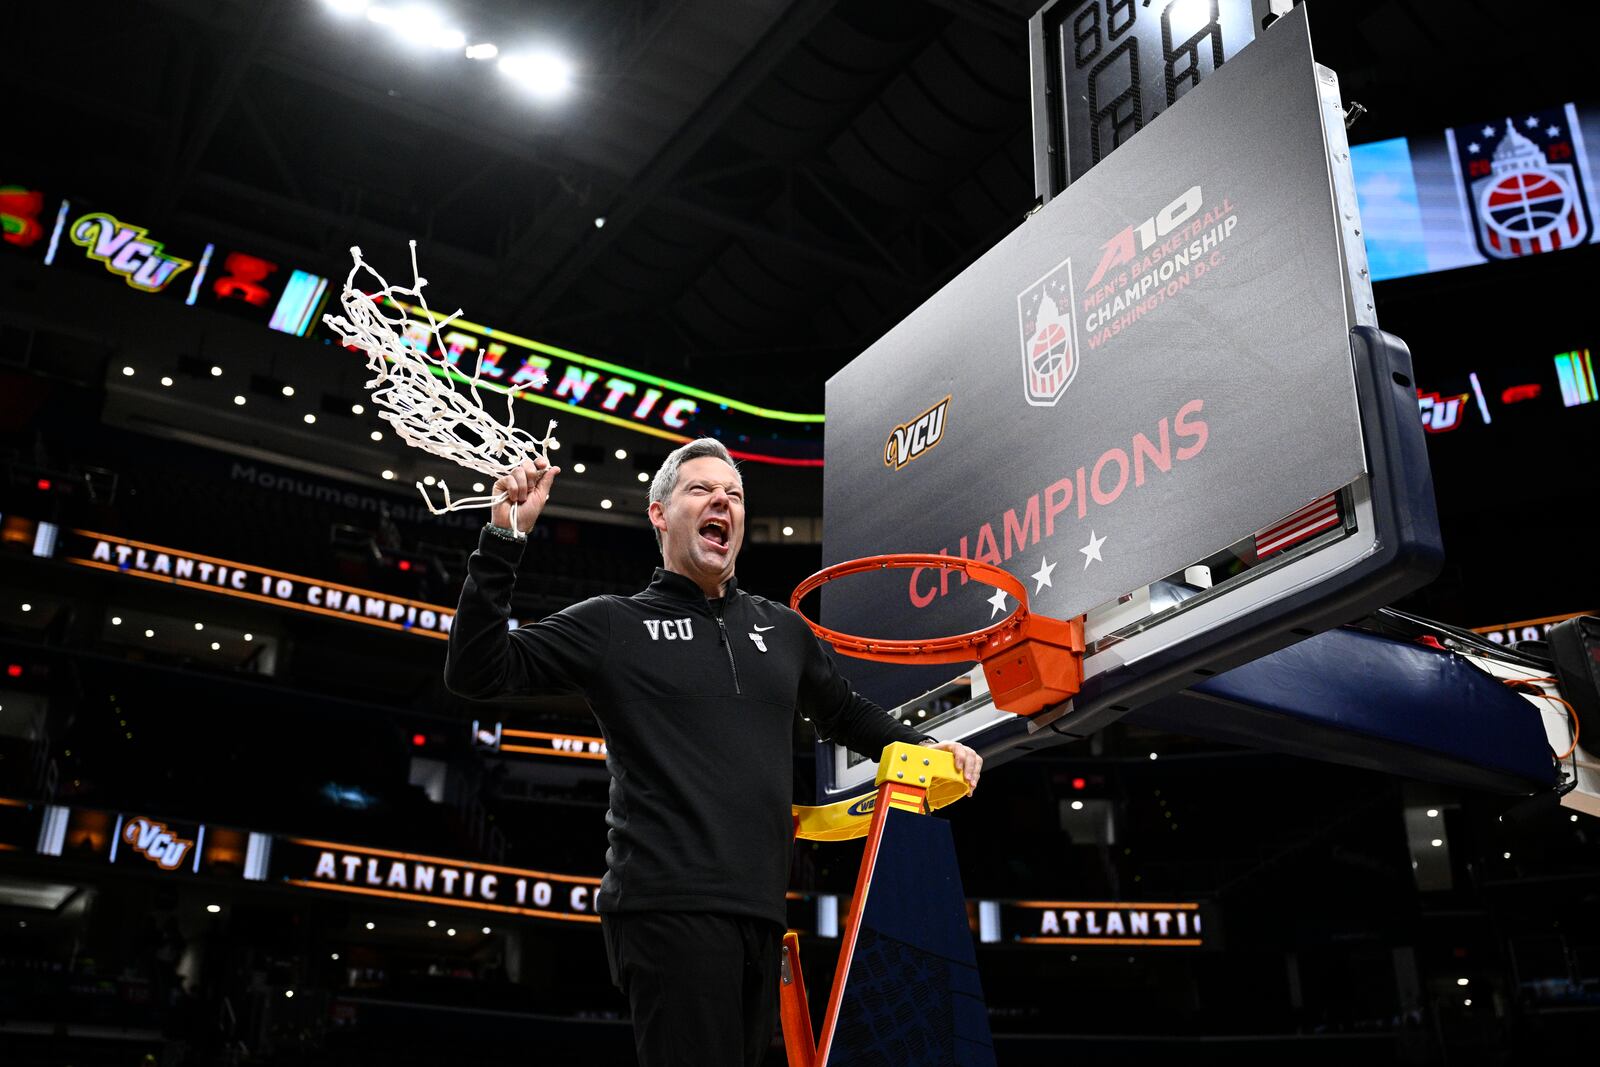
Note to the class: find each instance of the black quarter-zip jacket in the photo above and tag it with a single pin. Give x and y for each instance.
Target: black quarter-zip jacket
(696, 700)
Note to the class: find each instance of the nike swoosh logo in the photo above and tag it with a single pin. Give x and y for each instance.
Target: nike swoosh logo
(763, 629)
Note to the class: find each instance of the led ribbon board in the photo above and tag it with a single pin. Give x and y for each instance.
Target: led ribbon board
(1504, 185)
(631, 399)
(352, 870)
(227, 578)
(183, 267)
(1110, 924)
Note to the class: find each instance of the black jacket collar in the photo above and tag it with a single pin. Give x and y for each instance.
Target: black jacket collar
(671, 585)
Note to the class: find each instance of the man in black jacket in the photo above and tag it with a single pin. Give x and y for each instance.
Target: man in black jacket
(695, 684)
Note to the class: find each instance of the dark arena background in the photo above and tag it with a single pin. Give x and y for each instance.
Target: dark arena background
(242, 821)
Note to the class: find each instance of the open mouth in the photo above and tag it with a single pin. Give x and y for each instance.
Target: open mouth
(715, 531)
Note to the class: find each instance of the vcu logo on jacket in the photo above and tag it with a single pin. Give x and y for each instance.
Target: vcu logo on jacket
(670, 629)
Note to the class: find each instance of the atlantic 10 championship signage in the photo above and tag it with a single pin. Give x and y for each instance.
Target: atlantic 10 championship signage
(1149, 369)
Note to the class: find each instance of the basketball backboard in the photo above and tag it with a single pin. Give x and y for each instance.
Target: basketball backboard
(1162, 402)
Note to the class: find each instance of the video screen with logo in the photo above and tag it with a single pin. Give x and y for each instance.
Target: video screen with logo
(1503, 186)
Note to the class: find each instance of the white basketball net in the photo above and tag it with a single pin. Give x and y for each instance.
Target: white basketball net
(415, 390)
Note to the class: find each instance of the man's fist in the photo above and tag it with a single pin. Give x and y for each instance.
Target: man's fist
(528, 487)
(968, 763)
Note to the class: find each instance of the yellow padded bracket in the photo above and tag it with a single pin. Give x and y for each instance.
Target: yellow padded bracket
(901, 763)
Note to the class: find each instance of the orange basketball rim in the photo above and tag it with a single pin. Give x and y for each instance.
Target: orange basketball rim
(1031, 662)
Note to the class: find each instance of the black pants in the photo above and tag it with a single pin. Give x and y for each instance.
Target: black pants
(703, 987)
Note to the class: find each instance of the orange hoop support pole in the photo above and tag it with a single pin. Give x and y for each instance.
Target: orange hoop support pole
(794, 1009)
(1031, 662)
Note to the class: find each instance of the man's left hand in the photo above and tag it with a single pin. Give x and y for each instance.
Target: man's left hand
(968, 763)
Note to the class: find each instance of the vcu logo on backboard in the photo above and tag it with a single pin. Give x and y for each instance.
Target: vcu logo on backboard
(1049, 336)
(909, 440)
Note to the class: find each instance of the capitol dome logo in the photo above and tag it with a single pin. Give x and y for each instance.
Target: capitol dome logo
(1523, 199)
(1049, 336)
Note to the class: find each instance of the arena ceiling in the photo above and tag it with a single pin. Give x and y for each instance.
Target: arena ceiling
(780, 180)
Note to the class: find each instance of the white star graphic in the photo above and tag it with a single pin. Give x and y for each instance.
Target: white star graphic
(1473, 147)
(997, 602)
(1042, 575)
(1552, 131)
(1531, 123)
(1488, 131)
(1091, 551)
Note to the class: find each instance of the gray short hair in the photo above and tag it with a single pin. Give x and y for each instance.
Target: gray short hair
(666, 479)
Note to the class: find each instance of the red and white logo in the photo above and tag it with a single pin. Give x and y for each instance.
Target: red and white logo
(1049, 336)
(1525, 194)
(1441, 413)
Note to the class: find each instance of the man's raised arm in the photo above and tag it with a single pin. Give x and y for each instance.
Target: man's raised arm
(487, 660)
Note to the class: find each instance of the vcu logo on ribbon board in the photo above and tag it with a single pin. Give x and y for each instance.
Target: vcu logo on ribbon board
(1049, 336)
(911, 439)
(157, 842)
(1523, 192)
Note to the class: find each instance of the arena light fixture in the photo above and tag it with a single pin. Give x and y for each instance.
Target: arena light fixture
(1463, 981)
(166, 381)
(482, 51)
(288, 390)
(599, 222)
(621, 453)
(310, 418)
(543, 74)
(1153, 755)
(1077, 805)
(357, 409)
(199, 626)
(376, 435)
(788, 531)
(1433, 813)
(149, 633)
(486, 929)
(214, 908)
(429, 480)
(335, 955)
(643, 477)
(216, 371)
(127, 372)
(27, 607)
(477, 487)
(418, 24)
(348, 7)
(579, 468)
(249, 637)
(216, 646)
(371, 925)
(239, 400)
(451, 932)
(289, 993)
(1437, 842)
(432, 923)
(388, 476)
(116, 620)
(605, 504)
